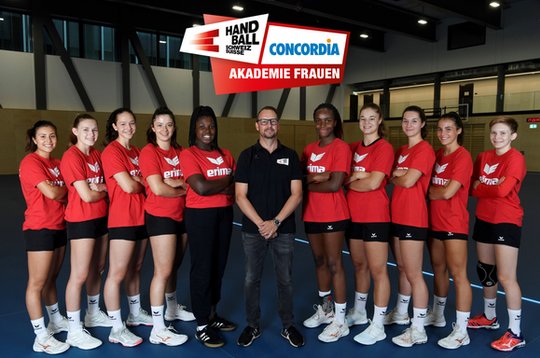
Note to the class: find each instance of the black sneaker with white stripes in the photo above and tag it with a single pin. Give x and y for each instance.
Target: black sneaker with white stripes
(222, 324)
(210, 337)
(249, 334)
(294, 337)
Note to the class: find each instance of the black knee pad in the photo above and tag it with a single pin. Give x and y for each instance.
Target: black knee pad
(487, 274)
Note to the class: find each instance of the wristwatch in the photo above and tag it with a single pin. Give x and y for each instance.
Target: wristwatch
(277, 222)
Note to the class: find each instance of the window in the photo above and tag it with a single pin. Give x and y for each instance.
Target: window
(15, 32)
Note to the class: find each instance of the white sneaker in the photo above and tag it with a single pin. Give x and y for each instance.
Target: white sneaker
(82, 339)
(394, 317)
(125, 337)
(434, 320)
(410, 337)
(455, 339)
(49, 345)
(333, 332)
(180, 313)
(57, 327)
(143, 318)
(99, 319)
(167, 336)
(354, 317)
(319, 317)
(371, 335)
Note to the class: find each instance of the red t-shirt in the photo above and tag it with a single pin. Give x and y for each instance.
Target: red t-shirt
(124, 209)
(489, 168)
(334, 157)
(41, 212)
(371, 206)
(451, 215)
(166, 163)
(408, 205)
(211, 165)
(77, 166)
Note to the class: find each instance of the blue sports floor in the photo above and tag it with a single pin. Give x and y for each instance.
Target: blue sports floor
(16, 334)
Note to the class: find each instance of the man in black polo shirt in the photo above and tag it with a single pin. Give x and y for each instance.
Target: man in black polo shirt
(268, 190)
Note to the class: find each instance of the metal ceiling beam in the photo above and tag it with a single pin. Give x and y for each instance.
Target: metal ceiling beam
(477, 11)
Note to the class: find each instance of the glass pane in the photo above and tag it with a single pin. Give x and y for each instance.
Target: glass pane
(108, 44)
(73, 45)
(92, 41)
(11, 31)
(148, 42)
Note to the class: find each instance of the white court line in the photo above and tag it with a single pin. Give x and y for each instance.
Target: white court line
(303, 241)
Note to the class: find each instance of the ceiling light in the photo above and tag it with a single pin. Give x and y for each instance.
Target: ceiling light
(162, 41)
(238, 8)
(1, 19)
(422, 21)
(364, 35)
(495, 4)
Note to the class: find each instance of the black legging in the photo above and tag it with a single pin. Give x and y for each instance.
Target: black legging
(209, 234)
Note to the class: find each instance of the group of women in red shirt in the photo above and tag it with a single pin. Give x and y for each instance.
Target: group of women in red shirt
(168, 194)
(347, 201)
(113, 202)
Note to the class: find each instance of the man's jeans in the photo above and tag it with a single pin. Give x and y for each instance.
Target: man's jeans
(281, 249)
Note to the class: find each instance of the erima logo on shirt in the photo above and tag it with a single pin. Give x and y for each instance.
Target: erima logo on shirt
(316, 157)
(402, 158)
(95, 167)
(55, 171)
(489, 169)
(501, 238)
(373, 235)
(359, 158)
(216, 161)
(172, 161)
(134, 161)
(440, 168)
(283, 161)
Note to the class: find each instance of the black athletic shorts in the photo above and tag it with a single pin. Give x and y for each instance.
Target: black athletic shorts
(90, 229)
(44, 239)
(405, 232)
(131, 233)
(447, 235)
(376, 232)
(321, 228)
(158, 225)
(497, 234)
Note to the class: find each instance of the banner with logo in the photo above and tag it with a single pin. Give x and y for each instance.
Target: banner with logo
(252, 54)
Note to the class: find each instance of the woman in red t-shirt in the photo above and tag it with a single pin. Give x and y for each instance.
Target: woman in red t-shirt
(498, 175)
(127, 233)
(449, 228)
(208, 170)
(44, 232)
(369, 231)
(411, 176)
(164, 216)
(86, 222)
(326, 215)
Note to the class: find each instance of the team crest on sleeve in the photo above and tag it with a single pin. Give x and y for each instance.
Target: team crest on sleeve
(283, 161)
(216, 161)
(94, 167)
(172, 161)
(316, 157)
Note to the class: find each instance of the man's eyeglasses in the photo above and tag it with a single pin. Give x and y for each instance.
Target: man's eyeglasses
(265, 122)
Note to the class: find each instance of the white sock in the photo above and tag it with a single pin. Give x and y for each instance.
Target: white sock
(360, 299)
(324, 293)
(402, 305)
(116, 319)
(419, 317)
(514, 321)
(93, 304)
(490, 307)
(74, 320)
(39, 327)
(462, 320)
(378, 315)
(340, 312)
(170, 298)
(134, 304)
(438, 305)
(157, 317)
(54, 313)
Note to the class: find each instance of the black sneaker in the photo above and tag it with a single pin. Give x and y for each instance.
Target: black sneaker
(222, 324)
(209, 337)
(294, 337)
(249, 334)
